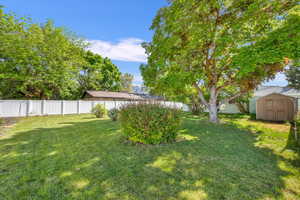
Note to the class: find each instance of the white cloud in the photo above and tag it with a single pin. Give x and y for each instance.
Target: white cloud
(129, 49)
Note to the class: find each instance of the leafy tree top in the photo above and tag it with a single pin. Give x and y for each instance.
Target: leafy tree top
(214, 44)
(293, 76)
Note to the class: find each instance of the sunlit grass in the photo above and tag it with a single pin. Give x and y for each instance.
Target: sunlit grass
(81, 157)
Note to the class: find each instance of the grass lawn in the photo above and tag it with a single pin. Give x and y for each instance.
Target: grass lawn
(81, 157)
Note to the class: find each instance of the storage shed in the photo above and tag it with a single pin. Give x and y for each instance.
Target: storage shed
(276, 107)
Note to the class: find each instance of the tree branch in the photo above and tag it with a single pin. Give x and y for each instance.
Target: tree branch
(232, 97)
(200, 94)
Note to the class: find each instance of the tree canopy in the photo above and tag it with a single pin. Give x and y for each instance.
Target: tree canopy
(42, 61)
(212, 45)
(99, 74)
(293, 76)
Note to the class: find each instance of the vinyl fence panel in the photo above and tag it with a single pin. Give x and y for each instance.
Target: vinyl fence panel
(70, 107)
(13, 108)
(85, 106)
(35, 108)
(109, 105)
(53, 107)
(22, 108)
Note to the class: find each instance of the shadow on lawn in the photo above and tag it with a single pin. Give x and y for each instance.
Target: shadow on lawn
(87, 160)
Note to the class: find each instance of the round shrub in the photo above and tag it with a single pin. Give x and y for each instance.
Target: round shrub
(99, 110)
(150, 123)
(113, 114)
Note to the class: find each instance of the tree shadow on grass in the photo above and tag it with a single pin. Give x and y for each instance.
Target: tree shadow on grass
(87, 160)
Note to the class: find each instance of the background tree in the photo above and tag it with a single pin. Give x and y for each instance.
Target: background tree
(211, 45)
(126, 82)
(41, 61)
(293, 76)
(37, 61)
(99, 74)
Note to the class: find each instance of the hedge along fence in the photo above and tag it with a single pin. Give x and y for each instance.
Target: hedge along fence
(23, 108)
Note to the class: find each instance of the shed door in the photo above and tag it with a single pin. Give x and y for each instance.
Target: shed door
(278, 109)
(281, 111)
(269, 112)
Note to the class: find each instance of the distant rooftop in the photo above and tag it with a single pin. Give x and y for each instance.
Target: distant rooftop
(266, 90)
(115, 95)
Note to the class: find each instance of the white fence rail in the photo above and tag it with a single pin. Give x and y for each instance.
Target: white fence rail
(23, 108)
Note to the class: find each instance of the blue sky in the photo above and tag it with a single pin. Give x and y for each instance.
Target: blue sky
(115, 28)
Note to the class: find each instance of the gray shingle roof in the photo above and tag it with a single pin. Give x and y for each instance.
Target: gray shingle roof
(266, 90)
(115, 95)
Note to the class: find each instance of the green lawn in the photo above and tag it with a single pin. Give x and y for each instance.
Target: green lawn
(81, 157)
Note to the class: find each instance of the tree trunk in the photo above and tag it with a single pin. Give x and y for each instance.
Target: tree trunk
(213, 113)
(241, 107)
(213, 107)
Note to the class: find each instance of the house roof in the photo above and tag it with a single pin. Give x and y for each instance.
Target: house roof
(266, 90)
(115, 95)
(149, 97)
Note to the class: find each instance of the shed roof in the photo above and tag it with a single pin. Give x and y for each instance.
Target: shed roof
(115, 95)
(277, 94)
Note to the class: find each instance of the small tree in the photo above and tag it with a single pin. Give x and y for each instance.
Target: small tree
(293, 76)
(126, 82)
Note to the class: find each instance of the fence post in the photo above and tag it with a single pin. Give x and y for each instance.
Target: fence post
(28, 105)
(78, 107)
(62, 107)
(43, 107)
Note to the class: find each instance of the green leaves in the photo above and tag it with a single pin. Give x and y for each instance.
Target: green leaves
(38, 61)
(99, 111)
(219, 44)
(293, 76)
(98, 74)
(41, 61)
(150, 122)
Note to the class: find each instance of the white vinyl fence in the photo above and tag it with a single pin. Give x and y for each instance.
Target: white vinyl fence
(23, 108)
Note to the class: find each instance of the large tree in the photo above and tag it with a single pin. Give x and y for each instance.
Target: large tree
(211, 45)
(41, 61)
(99, 74)
(37, 60)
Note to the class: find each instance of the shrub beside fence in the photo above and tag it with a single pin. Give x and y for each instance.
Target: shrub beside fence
(294, 136)
(23, 108)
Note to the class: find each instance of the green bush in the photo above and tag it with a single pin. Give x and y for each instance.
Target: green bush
(113, 114)
(99, 110)
(150, 123)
